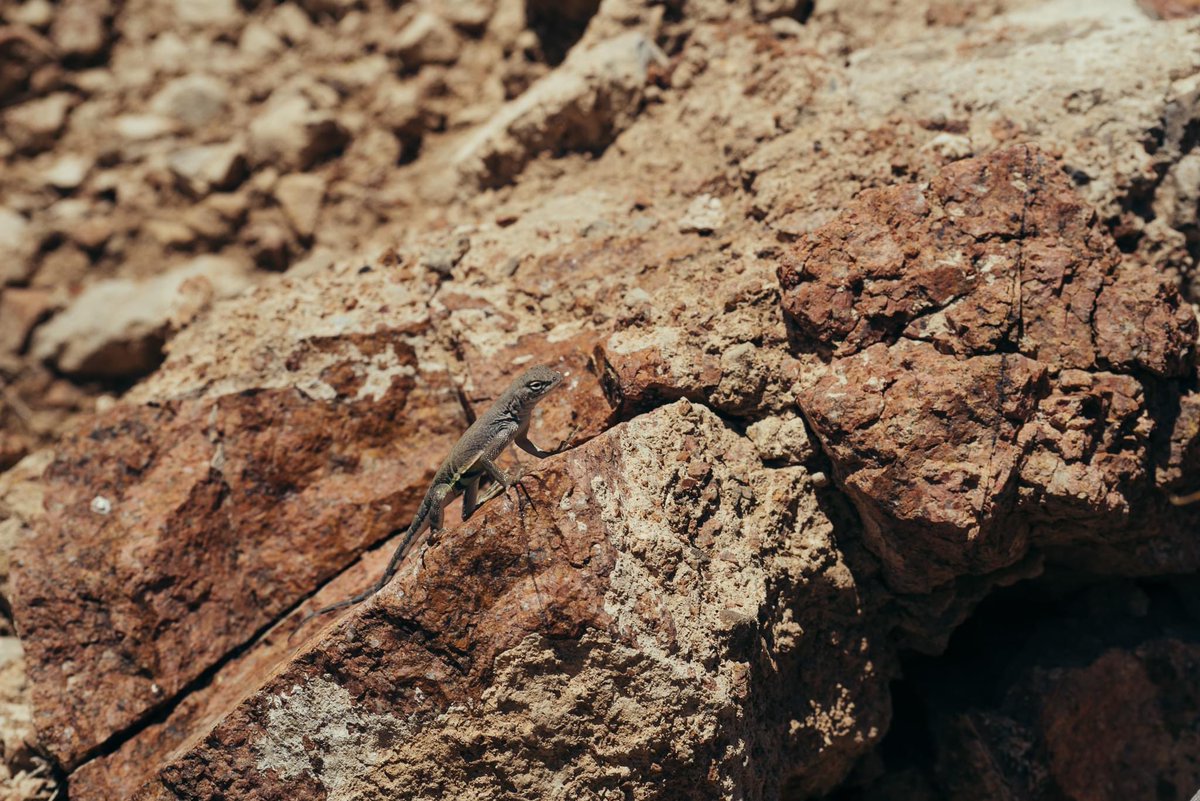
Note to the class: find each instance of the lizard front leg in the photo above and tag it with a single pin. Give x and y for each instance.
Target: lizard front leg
(470, 488)
(502, 480)
(522, 441)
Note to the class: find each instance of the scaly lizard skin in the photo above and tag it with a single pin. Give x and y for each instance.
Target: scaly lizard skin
(506, 422)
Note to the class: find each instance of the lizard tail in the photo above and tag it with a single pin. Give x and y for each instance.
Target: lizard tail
(392, 567)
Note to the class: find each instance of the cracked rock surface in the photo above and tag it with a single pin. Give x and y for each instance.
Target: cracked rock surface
(988, 361)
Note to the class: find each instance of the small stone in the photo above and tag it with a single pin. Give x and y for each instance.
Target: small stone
(207, 12)
(169, 53)
(949, 147)
(206, 167)
(117, 327)
(169, 233)
(471, 15)
(781, 439)
(194, 100)
(101, 505)
(444, 259)
(705, 215)
(34, 125)
(290, 23)
(290, 134)
(80, 28)
(141, 127)
(269, 245)
(66, 265)
(427, 39)
(819, 479)
(787, 27)
(300, 196)
(20, 311)
(772, 9)
(68, 172)
(93, 233)
(33, 13)
(258, 41)
(17, 248)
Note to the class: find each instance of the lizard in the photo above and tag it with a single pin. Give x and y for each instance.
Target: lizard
(473, 457)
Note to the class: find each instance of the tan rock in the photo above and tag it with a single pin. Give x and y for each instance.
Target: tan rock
(208, 12)
(290, 134)
(426, 39)
(81, 28)
(204, 168)
(33, 125)
(117, 327)
(590, 586)
(17, 247)
(194, 100)
(704, 215)
(300, 196)
(68, 172)
(21, 310)
(583, 104)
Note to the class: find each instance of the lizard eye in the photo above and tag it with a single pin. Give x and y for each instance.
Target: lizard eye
(538, 386)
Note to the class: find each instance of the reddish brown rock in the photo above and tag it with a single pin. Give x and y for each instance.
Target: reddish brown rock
(623, 601)
(1170, 9)
(984, 352)
(175, 530)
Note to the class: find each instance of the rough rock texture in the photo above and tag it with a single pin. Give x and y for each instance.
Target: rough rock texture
(989, 354)
(553, 631)
(455, 190)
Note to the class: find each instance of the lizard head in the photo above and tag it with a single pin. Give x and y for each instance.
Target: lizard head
(537, 382)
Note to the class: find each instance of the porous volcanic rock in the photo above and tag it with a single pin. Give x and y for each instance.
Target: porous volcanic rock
(639, 593)
(986, 359)
(175, 530)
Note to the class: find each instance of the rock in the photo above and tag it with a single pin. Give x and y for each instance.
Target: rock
(258, 41)
(33, 13)
(970, 328)
(33, 125)
(204, 168)
(570, 603)
(141, 127)
(81, 28)
(765, 10)
(704, 215)
(21, 310)
(18, 245)
(68, 172)
(171, 233)
(442, 260)
(582, 105)
(1170, 9)
(290, 23)
(781, 439)
(221, 13)
(270, 244)
(189, 622)
(92, 233)
(117, 327)
(194, 100)
(300, 196)
(426, 39)
(65, 266)
(472, 15)
(289, 134)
